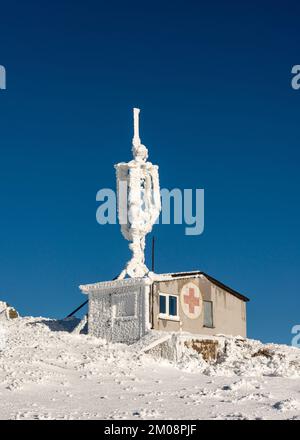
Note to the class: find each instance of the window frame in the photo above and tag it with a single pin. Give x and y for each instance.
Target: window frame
(167, 314)
(212, 315)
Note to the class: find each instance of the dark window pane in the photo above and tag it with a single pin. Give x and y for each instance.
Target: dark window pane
(162, 304)
(208, 314)
(173, 305)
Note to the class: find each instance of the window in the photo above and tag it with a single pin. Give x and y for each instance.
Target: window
(162, 304)
(125, 305)
(208, 314)
(173, 305)
(168, 307)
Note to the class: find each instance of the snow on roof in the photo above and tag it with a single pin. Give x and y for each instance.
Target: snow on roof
(155, 277)
(125, 282)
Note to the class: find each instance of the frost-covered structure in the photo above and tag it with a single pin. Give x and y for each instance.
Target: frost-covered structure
(139, 202)
(125, 309)
(119, 309)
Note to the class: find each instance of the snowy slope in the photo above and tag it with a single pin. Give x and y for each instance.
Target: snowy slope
(48, 373)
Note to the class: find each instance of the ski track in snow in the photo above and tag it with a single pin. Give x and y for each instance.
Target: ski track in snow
(50, 374)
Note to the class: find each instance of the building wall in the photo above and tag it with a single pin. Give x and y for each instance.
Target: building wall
(229, 312)
(119, 310)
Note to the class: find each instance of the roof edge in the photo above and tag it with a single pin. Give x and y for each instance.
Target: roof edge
(211, 279)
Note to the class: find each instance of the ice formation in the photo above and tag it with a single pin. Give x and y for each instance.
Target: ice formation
(139, 202)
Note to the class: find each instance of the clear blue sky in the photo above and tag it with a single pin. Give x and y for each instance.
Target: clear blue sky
(218, 112)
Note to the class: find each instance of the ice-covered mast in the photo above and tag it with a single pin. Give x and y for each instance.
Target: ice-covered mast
(136, 141)
(139, 202)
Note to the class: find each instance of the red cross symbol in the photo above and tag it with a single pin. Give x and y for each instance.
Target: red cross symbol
(191, 300)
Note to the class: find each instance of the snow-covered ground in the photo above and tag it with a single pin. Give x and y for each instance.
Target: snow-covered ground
(48, 373)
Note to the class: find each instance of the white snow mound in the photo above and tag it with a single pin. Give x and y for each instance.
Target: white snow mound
(48, 372)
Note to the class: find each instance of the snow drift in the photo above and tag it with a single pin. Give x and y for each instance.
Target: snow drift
(48, 372)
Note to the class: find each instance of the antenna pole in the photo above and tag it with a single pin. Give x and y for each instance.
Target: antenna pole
(153, 255)
(136, 141)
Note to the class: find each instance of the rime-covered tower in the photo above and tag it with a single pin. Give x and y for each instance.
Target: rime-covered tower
(139, 202)
(127, 308)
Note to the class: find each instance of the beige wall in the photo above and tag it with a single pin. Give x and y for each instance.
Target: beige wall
(229, 312)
